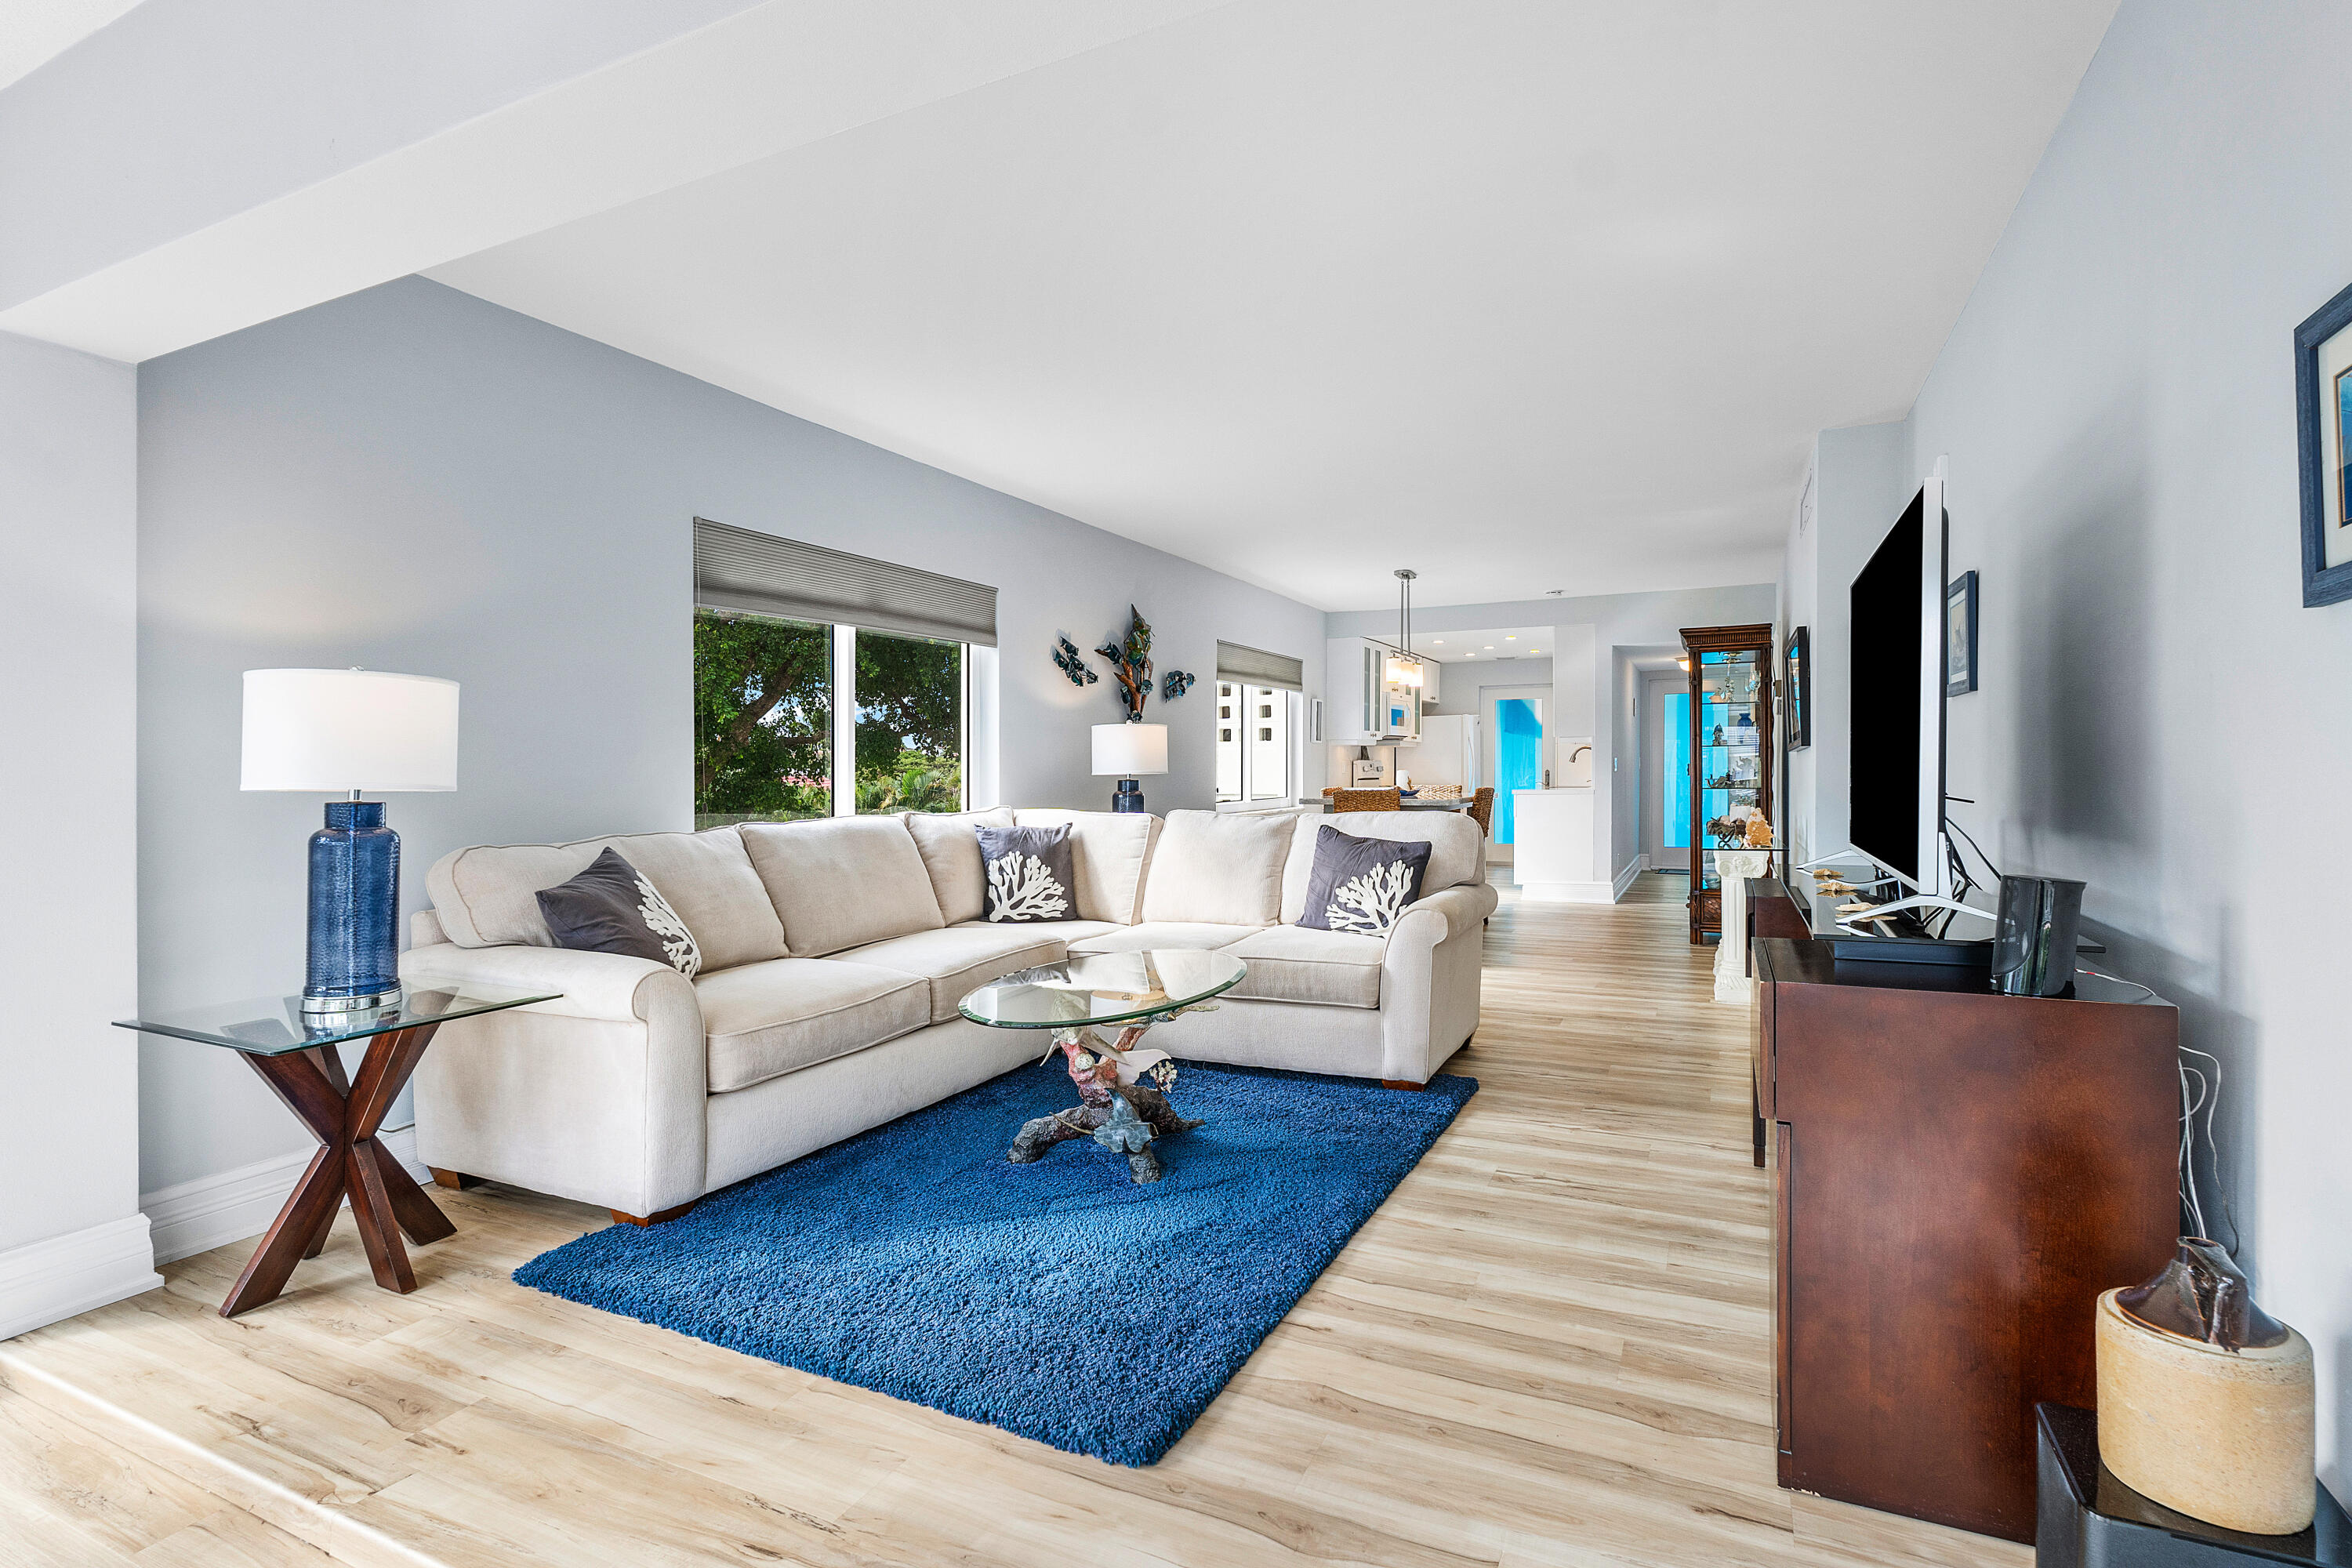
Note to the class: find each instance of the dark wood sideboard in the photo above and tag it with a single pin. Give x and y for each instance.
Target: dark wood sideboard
(1956, 1177)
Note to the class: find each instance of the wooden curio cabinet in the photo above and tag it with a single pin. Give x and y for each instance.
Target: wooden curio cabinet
(1731, 754)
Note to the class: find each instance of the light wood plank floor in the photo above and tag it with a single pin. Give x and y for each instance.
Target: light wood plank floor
(1549, 1347)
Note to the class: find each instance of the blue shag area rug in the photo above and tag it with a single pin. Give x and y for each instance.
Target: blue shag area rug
(917, 1260)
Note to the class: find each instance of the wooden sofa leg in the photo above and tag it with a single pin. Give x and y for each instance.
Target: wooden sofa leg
(663, 1218)
(456, 1181)
(1402, 1083)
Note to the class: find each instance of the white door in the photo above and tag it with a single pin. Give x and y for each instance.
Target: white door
(1511, 739)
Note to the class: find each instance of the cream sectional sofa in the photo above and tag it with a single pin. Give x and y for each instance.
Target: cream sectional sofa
(834, 952)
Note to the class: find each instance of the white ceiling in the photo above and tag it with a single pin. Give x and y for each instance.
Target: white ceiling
(1528, 296)
(1484, 647)
(35, 32)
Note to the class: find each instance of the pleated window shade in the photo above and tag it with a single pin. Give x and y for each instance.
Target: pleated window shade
(736, 569)
(1255, 667)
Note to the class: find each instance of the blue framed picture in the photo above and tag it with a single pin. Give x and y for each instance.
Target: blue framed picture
(1798, 729)
(2323, 397)
(1960, 635)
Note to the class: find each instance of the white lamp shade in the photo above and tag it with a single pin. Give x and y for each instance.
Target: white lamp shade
(325, 731)
(1130, 751)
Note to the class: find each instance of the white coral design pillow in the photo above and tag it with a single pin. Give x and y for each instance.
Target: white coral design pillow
(1030, 873)
(677, 943)
(1363, 885)
(611, 906)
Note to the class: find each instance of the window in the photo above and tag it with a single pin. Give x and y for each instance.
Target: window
(911, 724)
(762, 720)
(1254, 761)
(767, 748)
(827, 684)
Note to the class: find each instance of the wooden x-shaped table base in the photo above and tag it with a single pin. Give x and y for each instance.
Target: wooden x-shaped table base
(344, 1116)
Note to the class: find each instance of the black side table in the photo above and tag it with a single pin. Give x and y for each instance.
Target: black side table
(294, 1052)
(2090, 1520)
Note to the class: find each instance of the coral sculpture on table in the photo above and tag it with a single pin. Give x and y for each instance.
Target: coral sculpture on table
(1067, 660)
(1130, 662)
(1759, 832)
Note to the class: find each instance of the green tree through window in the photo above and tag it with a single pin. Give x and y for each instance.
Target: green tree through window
(909, 724)
(762, 719)
(763, 704)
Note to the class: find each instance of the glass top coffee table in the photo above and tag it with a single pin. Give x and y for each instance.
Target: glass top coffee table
(294, 1053)
(1123, 1090)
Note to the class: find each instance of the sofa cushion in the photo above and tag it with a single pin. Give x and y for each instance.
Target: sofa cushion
(1300, 964)
(952, 854)
(1112, 850)
(840, 881)
(1221, 869)
(960, 959)
(488, 895)
(763, 1020)
(1361, 885)
(1163, 934)
(611, 906)
(1031, 875)
(1457, 850)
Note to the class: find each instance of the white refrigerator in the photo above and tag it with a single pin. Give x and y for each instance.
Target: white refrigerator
(1448, 752)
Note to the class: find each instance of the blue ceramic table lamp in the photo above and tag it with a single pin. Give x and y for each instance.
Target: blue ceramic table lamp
(329, 731)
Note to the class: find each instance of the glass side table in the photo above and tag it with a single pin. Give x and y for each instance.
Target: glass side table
(294, 1053)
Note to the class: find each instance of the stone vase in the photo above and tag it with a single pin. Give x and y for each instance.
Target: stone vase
(2206, 1405)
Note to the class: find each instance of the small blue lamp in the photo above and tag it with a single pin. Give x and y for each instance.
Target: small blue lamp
(331, 732)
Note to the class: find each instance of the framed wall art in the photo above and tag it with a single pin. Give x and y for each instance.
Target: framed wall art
(2323, 396)
(1960, 635)
(1799, 689)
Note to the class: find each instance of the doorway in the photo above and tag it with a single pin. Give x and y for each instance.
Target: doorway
(1665, 777)
(1513, 739)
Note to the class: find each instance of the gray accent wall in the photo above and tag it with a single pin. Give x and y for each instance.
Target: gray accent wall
(412, 479)
(2158, 713)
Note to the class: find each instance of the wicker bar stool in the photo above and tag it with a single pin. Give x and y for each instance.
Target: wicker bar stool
(1482, 809)
(1367, 800)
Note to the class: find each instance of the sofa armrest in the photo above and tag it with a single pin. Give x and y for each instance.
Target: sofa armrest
(1460, 908)
(1429, 979)
(599, 1095)
(592, 985)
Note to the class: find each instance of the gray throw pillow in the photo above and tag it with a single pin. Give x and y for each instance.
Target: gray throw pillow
(1031, 874)
(612, 907)
(1361, 885)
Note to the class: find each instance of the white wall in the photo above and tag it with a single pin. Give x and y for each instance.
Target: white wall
(411, 479)
(70, 1233)
(1862, 480)
(2158, 713)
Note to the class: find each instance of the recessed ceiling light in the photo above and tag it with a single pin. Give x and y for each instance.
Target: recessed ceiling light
(1490, 647)
(1510, 637)
(1440, 641)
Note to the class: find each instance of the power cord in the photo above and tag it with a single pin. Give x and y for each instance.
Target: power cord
(2197, 1094)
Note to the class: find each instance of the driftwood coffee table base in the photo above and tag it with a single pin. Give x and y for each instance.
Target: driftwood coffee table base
(1124, 1118)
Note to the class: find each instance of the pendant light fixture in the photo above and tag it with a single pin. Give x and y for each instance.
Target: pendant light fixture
(1404, 670)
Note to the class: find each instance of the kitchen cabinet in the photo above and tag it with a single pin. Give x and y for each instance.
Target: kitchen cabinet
(1361, 705)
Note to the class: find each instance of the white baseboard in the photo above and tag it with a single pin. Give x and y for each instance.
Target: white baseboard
(45, 1281)
(211, 1211)
(1580, 892)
